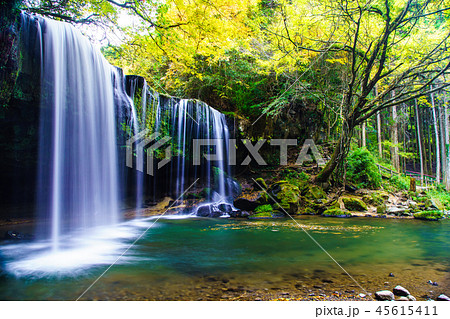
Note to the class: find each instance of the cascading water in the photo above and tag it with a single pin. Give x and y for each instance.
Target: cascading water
(78, 173)
(88, 112)
(184, 121)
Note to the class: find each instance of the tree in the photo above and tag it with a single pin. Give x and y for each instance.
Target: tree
(376, 58)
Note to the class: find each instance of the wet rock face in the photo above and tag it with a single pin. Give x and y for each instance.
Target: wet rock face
(19, 109)
(245, 204)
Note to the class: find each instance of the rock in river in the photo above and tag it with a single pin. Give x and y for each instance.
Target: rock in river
(443, 297)
(245, 204)
(400, 291)
(383, 295)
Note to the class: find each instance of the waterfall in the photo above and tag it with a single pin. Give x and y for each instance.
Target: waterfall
(82, 95)
(183, 120)
(78, 173)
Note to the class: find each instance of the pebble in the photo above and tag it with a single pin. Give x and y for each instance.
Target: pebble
(362, 295)
(384, 295)
(443, 297)
(391, 275)
(401, 291)
(435, 283)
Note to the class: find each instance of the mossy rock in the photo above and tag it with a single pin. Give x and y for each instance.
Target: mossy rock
(381, 209)
(309, 211)
(354, 204)
(436, 204)
(336, 212)
(260, 182)
(286, 195)
(429, 215)
(374, 199)
(263, 198)
(316, 192)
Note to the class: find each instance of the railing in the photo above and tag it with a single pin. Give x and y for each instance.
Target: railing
(427, 179)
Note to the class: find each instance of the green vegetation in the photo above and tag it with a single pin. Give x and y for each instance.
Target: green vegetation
(336, 212)
(264, 209)
(362, 169)
(429, 215)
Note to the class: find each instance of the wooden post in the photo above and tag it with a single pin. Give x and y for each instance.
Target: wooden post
(412, 184)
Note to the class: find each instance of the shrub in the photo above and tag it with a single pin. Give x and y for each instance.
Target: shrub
(362, 170)
(400, 182)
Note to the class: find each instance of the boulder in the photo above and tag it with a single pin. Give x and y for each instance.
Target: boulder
(354, 204)
(204, 211)
(397, 210)
(286, 195)
(442, 297)
(315, 192)
(384, 295)
(245, 204)
(436, 204)
(381, 209)
(336, 212)
(259, 183)
(225, 208)
(400, 291)
(209, 211)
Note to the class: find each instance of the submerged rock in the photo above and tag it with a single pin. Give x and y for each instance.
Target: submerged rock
(14, 235)
(400, 291)
(384, 295)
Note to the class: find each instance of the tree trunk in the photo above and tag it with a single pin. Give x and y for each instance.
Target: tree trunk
(419, 140)
(380, 142)
(338, 156)
(436, 133)
(394, 132)
(363, 133)
(447, 142)
(442, 140)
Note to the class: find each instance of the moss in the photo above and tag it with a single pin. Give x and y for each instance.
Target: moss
(316, 192)
(263, 209)
(260, 182)
(335, 212)
(354, 204)
(287, 195)
(374, 199)
(262, 215)
(310, 211)
(429, 215)
(381, 209)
